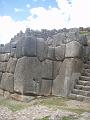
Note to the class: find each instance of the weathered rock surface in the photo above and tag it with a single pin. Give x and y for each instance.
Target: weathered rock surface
(73, 49)
(0, 76)
(72, 36)
(62, 83)
(46, 87)
(4, 57)
(7, 82)
(43, 62)
(60, 52)
(11, 65)
(2, 50)
(51, 53)
(59, 39)
(56, 40)
(3, 66)
(86, 53)
(27, 75)
(42, 49)
(26, 46)
(47, 69)
(56, 69)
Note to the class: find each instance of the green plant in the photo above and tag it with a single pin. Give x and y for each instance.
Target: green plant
(45, 118)
(66, 118)
(53, 101)
(84, 32)
(12, 105)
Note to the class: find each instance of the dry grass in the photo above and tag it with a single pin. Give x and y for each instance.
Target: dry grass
(52, 102)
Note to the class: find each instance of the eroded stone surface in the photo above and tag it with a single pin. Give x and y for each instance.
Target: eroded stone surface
(27, 75)
(7, 82)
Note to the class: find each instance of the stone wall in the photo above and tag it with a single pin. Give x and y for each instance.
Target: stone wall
(32, 64)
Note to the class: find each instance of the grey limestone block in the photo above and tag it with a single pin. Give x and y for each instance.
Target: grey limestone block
(27, 75)
(86, 53)
(56, 40)
(1, 92)
(72, 36)
(42, 49)
(73, 49)
(62, 84)
(83, 40)
(11, 64)
(26, 46)
(88, 39)
(4, 57)
(56, 69)
(47, 69)
(7, 48)
(46, 87)
(60, 52)
(7, 82)
(2, 49)
(58, 82)
(0, 77)
(59, 39)
(51, 53)
(50, 41)
(3, 66)
(6, 94)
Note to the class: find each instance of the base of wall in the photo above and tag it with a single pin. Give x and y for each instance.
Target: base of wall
(16, 96)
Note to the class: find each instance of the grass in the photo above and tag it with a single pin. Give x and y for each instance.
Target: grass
(66, 118)
(60, 103)
(63, 118)
(45, 118)
(54, 101)
(78, 110)
(84, 32)
(12, 105)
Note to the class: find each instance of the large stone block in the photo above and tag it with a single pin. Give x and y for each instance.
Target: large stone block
(47, 69)
(27, 75)
(46, 87)
(1, 92)
(6, 94)
(50, 41)
(7, 48)
(83, 40)
(11, 65)
(60, 52)
(7, 82)
(88, 39)
(86, 53)
(51, 53)
(59, 39)
(72, 36)
(22, 98)
(0, 76)
(58, 82)
(56, 68)
(4, 57)
(42, 49)
(26, 46)
(3, 66)
(2, 49)
(63, 83)
(73, 49)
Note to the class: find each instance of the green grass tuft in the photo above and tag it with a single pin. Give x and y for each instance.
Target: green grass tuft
(53, 101)
(66, 118)
(12, 105)
(84, 33)
(45, 118)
